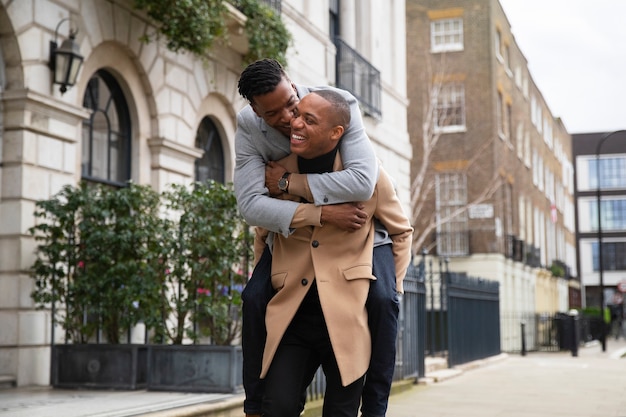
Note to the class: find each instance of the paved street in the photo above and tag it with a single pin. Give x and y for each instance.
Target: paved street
(537, 385)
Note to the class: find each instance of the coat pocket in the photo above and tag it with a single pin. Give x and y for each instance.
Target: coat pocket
(359, 272)
(278, 280)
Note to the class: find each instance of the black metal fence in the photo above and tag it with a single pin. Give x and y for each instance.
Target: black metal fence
(473, 318)
(442, 314)
(548, 332)
(411, 341)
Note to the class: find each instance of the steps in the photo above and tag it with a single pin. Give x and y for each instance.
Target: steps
(8, 381)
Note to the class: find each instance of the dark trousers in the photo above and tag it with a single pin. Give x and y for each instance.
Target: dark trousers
(382, 307)
(304, 347)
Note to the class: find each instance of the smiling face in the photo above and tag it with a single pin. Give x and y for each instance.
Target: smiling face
(277, 107)
(314, 130)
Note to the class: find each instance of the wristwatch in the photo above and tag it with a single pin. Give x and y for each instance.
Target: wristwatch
(283, 182)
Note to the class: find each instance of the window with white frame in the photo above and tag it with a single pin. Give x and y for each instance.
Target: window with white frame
(509, 121)
(549, 184)
(535, 166)
(527, 153)
(613, 258)
(506, 56)
(547, 133)
(529, 221)
(499, 45)
(519, 141)
(539, 117)
(446, 35)
(518, 76)
(499, 113)
(540, 172)
(521, 206)
(612, 172)
(451, 200)
(613, 211)
(450, 108)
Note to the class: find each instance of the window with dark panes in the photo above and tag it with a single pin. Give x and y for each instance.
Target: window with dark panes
(107, 133)
(211, 164)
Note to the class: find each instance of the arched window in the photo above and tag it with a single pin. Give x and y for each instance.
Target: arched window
(107, 132)
(211, 165)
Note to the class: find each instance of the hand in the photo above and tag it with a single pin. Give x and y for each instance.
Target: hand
(347, 216)
(273, 172)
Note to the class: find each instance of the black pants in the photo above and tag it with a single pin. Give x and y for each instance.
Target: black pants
(304, 347)
(382, 308)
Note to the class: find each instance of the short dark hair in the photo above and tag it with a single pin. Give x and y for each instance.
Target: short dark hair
(341, 107)
(260, 77)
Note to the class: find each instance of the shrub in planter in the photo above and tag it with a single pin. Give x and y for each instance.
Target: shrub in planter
(97, 268)
(206, 270)
(108, 259)
(96, 259)
(206, 261)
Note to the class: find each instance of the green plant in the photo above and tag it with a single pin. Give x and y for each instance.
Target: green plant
(267, 35)
(557, 270)
(94, 259)
(207, 262)
(110, 258)
(193, 25)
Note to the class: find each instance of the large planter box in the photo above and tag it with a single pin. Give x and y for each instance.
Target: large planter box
(105, 366)
(195, 368)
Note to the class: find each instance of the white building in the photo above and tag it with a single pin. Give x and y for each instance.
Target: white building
(601, 174)
(139, 111)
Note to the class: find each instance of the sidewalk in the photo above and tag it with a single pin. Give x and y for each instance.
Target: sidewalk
(538, 384)
(552, 384)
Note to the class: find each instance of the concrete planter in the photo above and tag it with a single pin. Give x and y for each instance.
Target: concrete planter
(105, 366)
(195, 368)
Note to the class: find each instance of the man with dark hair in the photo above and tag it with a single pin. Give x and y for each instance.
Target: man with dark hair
(322, 277)
(263, 129)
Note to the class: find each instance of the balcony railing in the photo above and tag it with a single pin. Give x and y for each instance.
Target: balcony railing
(520, 251)
(358, 76)
(274, 4)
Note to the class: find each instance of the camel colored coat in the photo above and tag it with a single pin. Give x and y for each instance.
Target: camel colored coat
(341, 262)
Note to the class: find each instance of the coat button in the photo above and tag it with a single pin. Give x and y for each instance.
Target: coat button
(325, 199)
(304, 281)
(315, 243)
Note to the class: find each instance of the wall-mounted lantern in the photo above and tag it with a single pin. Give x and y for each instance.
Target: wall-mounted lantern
(65, 61)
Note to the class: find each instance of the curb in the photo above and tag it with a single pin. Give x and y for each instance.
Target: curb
(233, 407)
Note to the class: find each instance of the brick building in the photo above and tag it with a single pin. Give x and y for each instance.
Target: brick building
(492, 167)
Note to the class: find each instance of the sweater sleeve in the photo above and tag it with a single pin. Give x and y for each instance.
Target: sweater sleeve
(253, 200)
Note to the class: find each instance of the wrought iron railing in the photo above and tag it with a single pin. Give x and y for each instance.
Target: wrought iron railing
(355, 74)
(274, 4)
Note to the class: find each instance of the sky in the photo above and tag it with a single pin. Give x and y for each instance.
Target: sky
(576, 53)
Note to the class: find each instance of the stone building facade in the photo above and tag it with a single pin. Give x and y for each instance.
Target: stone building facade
(143, 113)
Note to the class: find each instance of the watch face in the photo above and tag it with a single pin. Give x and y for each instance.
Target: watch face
(283, 182)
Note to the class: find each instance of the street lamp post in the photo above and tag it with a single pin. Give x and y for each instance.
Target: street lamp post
(600, 260)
